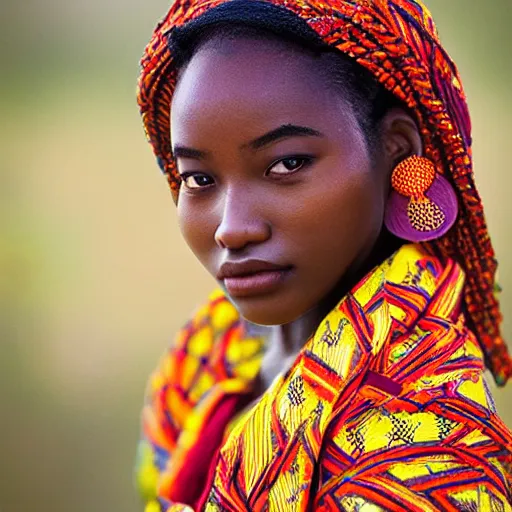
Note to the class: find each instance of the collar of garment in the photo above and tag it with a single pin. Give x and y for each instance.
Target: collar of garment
(401, 318)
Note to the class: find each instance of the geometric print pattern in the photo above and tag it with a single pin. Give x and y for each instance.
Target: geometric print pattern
(385, 408)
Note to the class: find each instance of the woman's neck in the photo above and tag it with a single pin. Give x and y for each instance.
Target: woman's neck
(286, 341)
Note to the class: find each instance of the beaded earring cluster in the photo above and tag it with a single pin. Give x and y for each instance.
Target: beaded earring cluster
(422, 205)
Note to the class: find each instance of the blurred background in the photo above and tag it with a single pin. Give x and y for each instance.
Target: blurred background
(95, 278)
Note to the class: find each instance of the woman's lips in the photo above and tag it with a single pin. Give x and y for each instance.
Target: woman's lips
(255, 284)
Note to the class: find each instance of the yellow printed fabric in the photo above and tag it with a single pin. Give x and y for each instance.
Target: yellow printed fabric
(385, 408)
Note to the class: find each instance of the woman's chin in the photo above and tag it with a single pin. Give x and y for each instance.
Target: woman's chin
(265, 311)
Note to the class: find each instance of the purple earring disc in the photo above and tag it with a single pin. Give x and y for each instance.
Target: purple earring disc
(397, 220)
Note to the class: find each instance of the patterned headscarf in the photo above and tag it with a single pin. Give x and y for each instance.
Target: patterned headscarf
(397, 41)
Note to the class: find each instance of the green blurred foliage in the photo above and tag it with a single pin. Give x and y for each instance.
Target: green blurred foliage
(89, 248)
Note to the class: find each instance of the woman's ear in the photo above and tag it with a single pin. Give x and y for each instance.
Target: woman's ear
(400, 136)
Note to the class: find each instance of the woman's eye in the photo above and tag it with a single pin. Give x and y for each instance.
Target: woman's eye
(195, 181)
(288, 165)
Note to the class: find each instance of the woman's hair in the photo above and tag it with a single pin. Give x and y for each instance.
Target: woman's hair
(253, 19)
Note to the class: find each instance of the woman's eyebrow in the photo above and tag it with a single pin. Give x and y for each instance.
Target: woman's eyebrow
(282, 132)
(186, 152)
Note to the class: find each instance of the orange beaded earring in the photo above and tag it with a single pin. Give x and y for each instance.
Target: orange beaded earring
(422, 205)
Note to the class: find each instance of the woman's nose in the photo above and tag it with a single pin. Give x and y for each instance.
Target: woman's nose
(240, 224)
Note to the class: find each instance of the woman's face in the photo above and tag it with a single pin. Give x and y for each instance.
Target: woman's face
(280, 199)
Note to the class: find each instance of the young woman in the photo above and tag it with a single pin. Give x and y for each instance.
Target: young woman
(319, 153)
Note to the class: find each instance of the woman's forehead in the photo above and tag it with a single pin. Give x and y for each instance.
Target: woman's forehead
(252, 78)
(246, 59)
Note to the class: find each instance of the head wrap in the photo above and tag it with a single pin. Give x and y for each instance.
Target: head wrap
(397, 41)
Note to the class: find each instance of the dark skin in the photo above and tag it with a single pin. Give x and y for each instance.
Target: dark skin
(312, 201)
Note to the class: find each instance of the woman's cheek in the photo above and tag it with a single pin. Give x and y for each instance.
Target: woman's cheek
(197, 229)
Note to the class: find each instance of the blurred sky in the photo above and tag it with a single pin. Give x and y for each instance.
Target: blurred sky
(95, 278)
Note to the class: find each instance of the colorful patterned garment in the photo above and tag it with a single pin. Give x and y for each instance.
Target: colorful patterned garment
(385, 408)
(397, 41)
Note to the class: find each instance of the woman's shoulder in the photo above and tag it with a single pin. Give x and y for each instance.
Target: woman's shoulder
(440, 434)
(215, 344)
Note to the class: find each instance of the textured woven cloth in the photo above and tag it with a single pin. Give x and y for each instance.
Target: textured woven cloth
(397, 41)
(385, 408)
